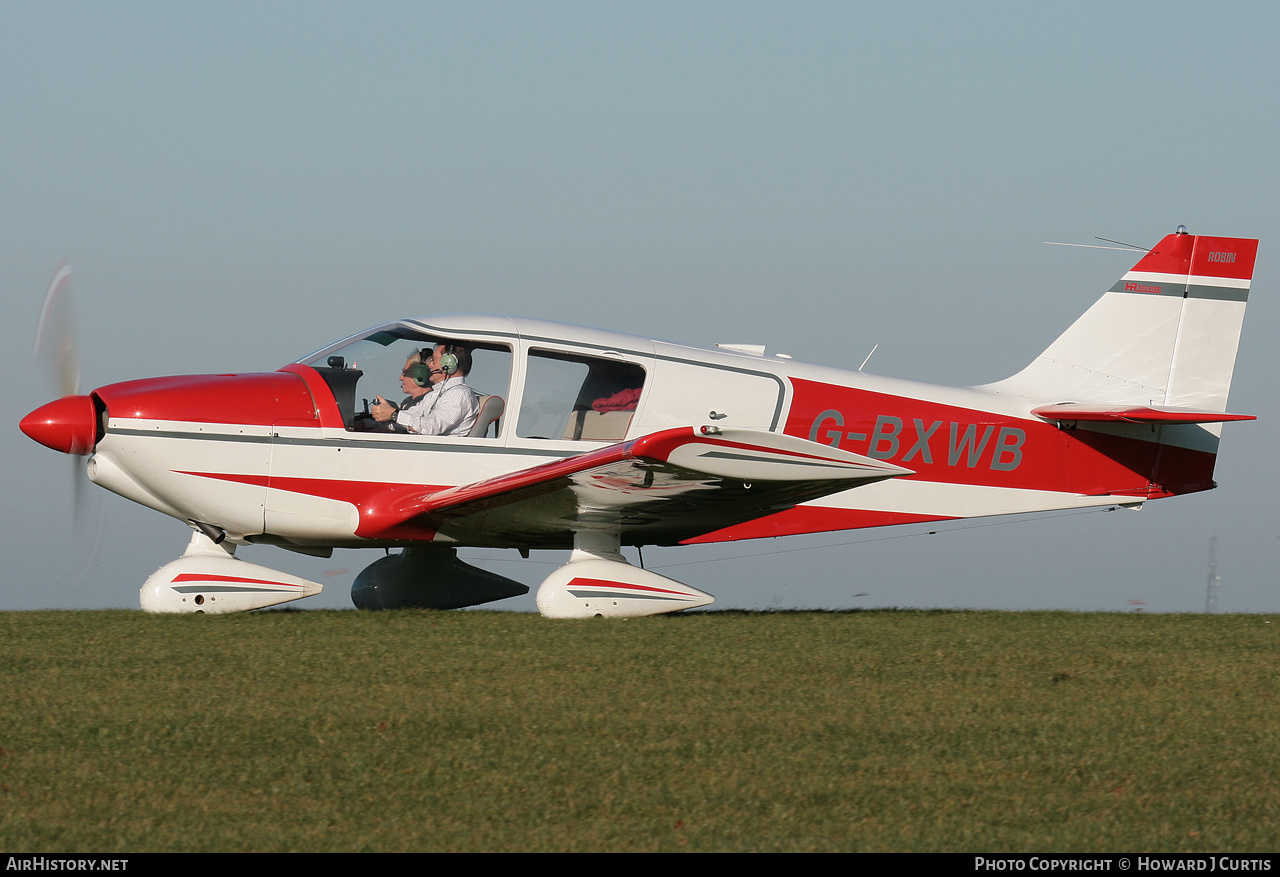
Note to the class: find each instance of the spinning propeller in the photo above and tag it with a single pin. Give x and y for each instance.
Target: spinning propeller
(70, 423)
(56, 333)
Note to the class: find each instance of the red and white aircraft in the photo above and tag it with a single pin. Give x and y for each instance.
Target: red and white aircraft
(592, 440)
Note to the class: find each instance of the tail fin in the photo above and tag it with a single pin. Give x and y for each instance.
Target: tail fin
(1165, 335)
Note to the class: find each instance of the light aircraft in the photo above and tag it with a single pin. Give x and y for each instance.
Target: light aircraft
(591, 440)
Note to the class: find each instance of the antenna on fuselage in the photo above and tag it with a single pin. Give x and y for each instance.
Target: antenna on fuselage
(868, 359)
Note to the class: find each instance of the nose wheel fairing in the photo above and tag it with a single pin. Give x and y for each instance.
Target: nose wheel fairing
(208, 578)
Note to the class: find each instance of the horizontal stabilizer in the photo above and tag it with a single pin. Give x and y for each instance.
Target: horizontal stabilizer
(1134, 414)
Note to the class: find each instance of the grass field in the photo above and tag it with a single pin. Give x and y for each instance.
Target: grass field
(877, 730)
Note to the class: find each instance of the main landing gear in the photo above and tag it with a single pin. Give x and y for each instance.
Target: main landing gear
(596, 582)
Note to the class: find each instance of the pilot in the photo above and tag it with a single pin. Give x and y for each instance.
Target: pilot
(415, 383)
(452, 406)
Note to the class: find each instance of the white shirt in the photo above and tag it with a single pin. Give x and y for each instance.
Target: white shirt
(450, 408)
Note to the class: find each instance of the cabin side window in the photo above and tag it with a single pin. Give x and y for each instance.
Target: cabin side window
(580, 398)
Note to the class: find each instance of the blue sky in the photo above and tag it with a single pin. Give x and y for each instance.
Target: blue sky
(238, 184)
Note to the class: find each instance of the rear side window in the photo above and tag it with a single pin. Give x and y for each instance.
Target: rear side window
(580, 398)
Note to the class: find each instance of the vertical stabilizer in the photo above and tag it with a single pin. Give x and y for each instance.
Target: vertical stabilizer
(1165, 334)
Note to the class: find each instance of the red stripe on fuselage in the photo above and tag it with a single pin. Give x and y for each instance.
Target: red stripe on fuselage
(810, 519)
(383, 506)
(354, 492)
(955, 445)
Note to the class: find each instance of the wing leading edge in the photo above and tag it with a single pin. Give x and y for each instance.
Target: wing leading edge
(660, 488)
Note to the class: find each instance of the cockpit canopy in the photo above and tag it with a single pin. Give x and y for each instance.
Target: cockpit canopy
(567, 394)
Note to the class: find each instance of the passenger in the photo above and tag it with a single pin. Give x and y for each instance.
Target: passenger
(452, 406)
(415, 383)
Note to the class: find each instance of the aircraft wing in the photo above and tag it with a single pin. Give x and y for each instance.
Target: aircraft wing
(1154, 414)
(660, 488)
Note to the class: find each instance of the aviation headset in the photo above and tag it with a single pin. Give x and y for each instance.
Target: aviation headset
(448, 361)
(420, 371)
